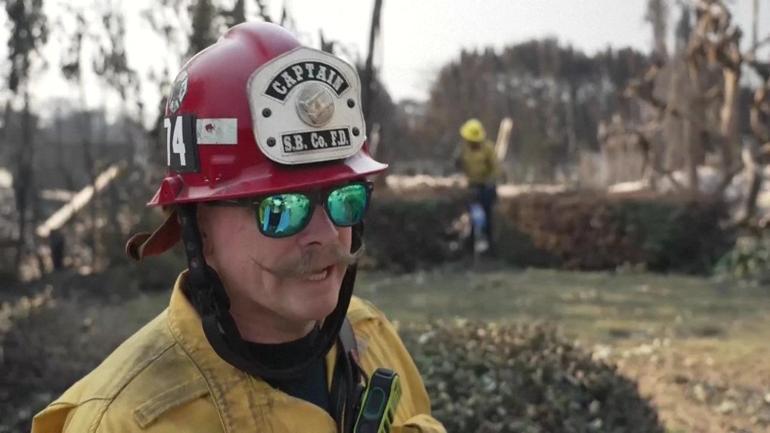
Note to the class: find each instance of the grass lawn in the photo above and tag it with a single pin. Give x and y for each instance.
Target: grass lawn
(592, 306)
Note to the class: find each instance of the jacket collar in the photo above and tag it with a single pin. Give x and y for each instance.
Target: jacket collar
(239, 398)
(229, 387)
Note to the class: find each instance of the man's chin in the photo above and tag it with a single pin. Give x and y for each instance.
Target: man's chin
(315, 312)
(314, 302)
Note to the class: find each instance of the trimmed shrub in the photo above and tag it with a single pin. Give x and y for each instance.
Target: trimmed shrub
(590, 231)
(749, 260)
(409, 233)
(484, 378)
(49, 350)
(576, 230)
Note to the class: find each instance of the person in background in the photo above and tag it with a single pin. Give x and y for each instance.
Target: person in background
(478, 161)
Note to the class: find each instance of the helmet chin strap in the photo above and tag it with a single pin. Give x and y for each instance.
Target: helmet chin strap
(208, 296)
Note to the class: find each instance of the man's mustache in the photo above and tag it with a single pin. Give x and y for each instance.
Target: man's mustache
(313, 260)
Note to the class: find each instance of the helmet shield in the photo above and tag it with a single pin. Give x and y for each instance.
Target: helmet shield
(306, 107)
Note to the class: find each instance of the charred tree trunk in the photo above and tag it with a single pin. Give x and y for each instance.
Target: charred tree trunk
(657, 15)
(759, 156)
(728, 122)
(754, 171)
(755, 23)
(368, 79)
(691, 146)
(64, 171)
(23, 179)
(572, 144)
(89, 165)
(92, 210)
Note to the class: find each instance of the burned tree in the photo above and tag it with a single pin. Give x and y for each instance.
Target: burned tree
(657, 16)
(716, 41)
(29, 32)
(702, 101)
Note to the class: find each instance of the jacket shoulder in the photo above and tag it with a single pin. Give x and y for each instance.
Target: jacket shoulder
(147, 375)
(361, 310)
(380, 346)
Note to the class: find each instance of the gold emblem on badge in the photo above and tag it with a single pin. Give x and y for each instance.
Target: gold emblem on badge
(315, 105)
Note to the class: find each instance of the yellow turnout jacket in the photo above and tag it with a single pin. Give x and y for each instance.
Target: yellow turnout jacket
(167, 378)
(479, 165)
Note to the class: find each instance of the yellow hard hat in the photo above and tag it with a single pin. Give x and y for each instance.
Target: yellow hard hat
(472, 130)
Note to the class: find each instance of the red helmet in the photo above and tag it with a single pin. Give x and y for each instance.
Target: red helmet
(258, 113)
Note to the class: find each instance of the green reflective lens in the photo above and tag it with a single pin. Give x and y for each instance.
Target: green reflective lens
(283, 215)
(346, 205)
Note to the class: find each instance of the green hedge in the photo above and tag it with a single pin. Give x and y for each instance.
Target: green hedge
(748, 261)
(486, 377)
(584, 231)
(405, 233)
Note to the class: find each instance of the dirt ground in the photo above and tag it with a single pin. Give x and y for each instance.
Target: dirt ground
(697, 347)
(698, 388)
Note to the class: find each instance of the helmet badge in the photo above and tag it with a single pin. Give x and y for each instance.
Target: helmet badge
(305, 108)
(178, 92)
(315, 105)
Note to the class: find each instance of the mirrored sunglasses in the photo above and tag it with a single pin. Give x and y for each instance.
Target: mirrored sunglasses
(286, 214)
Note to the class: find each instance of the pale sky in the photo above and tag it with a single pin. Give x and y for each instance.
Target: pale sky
(419, 36)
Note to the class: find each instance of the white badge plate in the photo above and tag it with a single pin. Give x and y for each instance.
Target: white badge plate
(306, 107)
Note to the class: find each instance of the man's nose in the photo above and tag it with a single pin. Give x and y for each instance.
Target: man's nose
(320, 230)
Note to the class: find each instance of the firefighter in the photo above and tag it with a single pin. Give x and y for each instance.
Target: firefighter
(267, 185)
(478, 161)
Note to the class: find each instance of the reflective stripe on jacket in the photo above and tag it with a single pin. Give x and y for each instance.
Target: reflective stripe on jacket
(167, 378)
